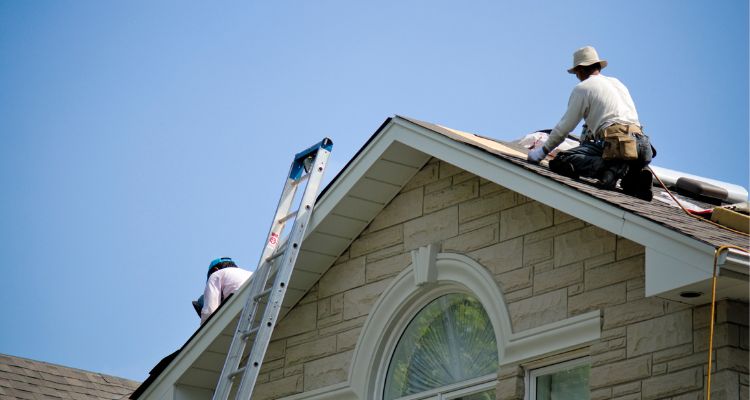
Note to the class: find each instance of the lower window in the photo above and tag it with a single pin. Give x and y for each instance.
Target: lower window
(564, 381)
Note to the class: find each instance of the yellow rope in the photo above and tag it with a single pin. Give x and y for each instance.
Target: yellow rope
(713, 311)
(688, 212)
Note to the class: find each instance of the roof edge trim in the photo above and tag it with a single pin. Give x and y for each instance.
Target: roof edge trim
(566, 199)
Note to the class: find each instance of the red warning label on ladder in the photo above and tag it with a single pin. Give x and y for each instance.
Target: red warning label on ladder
(273, 240)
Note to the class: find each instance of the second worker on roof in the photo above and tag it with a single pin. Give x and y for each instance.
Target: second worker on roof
(223, 279)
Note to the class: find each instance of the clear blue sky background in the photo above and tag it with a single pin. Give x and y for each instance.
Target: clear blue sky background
(139, 140)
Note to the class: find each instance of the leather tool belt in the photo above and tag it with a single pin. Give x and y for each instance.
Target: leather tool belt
(620, 142)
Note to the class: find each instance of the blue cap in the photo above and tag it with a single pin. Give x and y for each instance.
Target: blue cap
(218, 261)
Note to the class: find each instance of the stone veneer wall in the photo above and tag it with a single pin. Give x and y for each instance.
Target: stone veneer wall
(548, 265)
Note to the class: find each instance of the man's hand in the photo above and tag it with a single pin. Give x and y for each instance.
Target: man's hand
(536, 155)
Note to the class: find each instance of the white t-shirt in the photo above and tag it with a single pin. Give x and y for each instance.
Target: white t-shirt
(221, 284)
(601, 101)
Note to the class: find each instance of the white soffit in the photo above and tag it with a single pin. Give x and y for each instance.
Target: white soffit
(669, 275)
(358, 194)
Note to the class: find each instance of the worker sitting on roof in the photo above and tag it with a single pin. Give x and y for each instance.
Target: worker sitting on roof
(223, 279)
(613, 146)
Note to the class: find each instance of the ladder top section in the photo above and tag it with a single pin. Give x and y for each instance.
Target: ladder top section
(296, 171)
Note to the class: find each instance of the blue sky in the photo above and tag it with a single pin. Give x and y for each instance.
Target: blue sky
(141, 139)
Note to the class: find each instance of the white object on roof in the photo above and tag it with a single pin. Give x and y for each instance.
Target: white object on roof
(532, 140)
(665, 198)
(736, 193)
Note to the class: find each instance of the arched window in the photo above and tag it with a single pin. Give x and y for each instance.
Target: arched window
(449, 341)
(429, 317)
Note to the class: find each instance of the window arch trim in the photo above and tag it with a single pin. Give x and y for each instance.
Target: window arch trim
(429, 274)
(407, 294)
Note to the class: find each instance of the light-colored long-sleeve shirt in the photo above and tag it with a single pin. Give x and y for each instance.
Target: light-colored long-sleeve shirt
(601, 101)
(221, 284)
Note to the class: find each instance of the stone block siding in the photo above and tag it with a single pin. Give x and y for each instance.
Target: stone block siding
(549, 265)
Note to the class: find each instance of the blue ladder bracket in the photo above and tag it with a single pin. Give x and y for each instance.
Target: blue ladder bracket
(296, 171)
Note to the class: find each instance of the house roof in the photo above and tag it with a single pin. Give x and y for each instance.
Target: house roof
(670, 217)
(680, 247)
(21, 378)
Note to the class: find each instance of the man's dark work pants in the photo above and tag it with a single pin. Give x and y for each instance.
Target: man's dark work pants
(586, 160)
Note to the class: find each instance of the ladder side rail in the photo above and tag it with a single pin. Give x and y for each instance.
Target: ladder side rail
(237, 347)
(276, 297)
(238, 344)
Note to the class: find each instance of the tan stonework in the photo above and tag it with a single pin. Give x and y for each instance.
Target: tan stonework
(510, 383)
(451, 195)
(431, 228)
(548, 265)
(405, 206)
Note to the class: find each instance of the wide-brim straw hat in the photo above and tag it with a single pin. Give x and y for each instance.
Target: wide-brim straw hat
(586, 56)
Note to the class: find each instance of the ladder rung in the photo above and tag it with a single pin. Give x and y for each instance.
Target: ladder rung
(249, 333)
(287, 217)
(277, 254)
(239, 371)
(262, 294)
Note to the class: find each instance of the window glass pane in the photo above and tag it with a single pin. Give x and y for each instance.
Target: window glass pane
(567, 384)
(449, 341)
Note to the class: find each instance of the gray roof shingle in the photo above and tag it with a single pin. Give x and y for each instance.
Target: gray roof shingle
(21, 378)
(670, 217)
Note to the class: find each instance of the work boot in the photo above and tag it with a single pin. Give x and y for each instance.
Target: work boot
(563, 168)
(639, 185)
(638, 181)
(644, 194)
(607, 180)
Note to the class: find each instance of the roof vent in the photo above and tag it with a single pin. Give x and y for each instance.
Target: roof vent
(706, 186)
(702, 190)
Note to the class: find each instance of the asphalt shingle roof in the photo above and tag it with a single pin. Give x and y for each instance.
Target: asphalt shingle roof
(21, 378)
(670, 217)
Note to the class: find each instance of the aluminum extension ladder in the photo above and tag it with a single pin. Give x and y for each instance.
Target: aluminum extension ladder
(264, 299)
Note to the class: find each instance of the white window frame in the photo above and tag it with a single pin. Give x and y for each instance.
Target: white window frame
(471, 386)
(409, 313)
(532, 374)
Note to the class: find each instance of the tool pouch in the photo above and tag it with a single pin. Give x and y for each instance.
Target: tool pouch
(620, 142)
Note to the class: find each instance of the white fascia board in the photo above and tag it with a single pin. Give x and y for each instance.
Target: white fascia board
(513, 177)
(539, 188)
(684, 251)
(195, 347)
(735, 261)
(349, 177)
